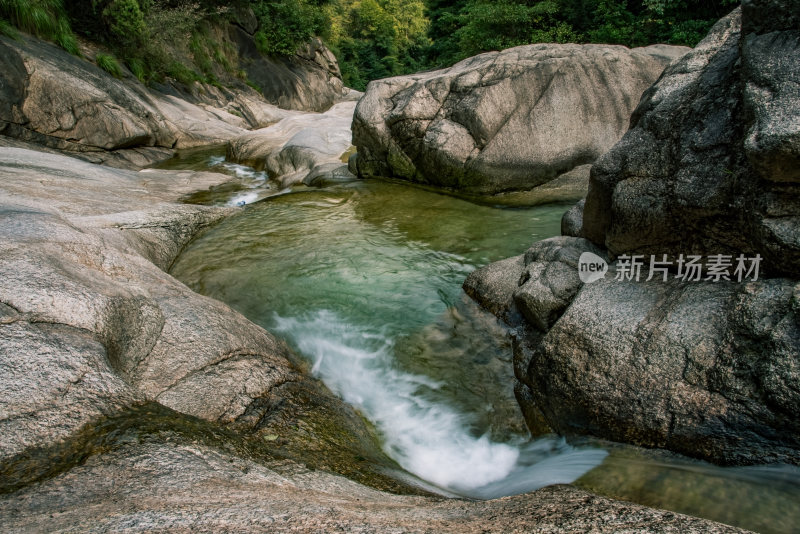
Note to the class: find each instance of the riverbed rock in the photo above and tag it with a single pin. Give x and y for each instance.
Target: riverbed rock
(504, 121)
(300, 145)
(493, 287)
(181, 486)
(572, 221)
(708, 368)
(92, 325)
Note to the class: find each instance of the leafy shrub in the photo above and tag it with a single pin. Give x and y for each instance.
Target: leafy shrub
(6, 28)
(109, 64)
(285, 25)
(138, 69)
(254, 86)
(126, 23)
(182, 73)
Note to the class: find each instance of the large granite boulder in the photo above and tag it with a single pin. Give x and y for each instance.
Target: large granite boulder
(711, 164)
(59, 101)
(504, 121)
(72, 102)
(708, 366)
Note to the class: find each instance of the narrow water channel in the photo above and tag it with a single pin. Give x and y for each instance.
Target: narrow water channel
(364, 280)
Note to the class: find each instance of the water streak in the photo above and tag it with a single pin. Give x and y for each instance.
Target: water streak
(428, 439)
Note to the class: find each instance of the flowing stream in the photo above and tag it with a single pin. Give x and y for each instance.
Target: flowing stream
(364, 280)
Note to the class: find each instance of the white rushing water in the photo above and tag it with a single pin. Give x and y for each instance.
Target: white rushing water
(256, 184)
(428, 439)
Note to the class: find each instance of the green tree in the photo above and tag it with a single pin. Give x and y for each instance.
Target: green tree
(378, 38)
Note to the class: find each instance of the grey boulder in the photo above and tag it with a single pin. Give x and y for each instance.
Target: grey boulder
(707, 368)
(504, 121)
(710, 164)
(297, 146)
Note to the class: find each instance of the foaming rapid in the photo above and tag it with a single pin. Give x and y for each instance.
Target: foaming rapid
(255, 183)
(240, 171)
(429, 439)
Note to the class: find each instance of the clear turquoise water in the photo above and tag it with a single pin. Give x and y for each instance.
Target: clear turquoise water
(364, 279)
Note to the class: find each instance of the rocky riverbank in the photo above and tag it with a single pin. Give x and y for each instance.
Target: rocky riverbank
(702, 364)
(130, 402)
(67, 104)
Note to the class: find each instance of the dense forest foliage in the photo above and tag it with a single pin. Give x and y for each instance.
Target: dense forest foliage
(371, 38)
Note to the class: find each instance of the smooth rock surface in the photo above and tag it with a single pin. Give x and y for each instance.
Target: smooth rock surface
(172, 487)
(503, 121)
(93, 325)
(69, 103)
(299, 145)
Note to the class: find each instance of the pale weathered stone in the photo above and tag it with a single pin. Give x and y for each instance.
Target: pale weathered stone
(298, 144)
(92, 324)
(503, 121)
(189, 487)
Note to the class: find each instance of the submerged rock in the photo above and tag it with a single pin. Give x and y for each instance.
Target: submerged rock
(707, 368)
(504, 121)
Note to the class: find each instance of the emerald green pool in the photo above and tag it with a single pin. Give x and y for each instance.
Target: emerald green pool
(364, 280)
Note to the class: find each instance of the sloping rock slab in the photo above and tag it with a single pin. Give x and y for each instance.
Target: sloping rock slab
(172, 487)
(91, 325)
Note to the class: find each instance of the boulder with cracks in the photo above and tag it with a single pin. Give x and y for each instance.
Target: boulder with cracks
(505, 121)
(706, 367)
